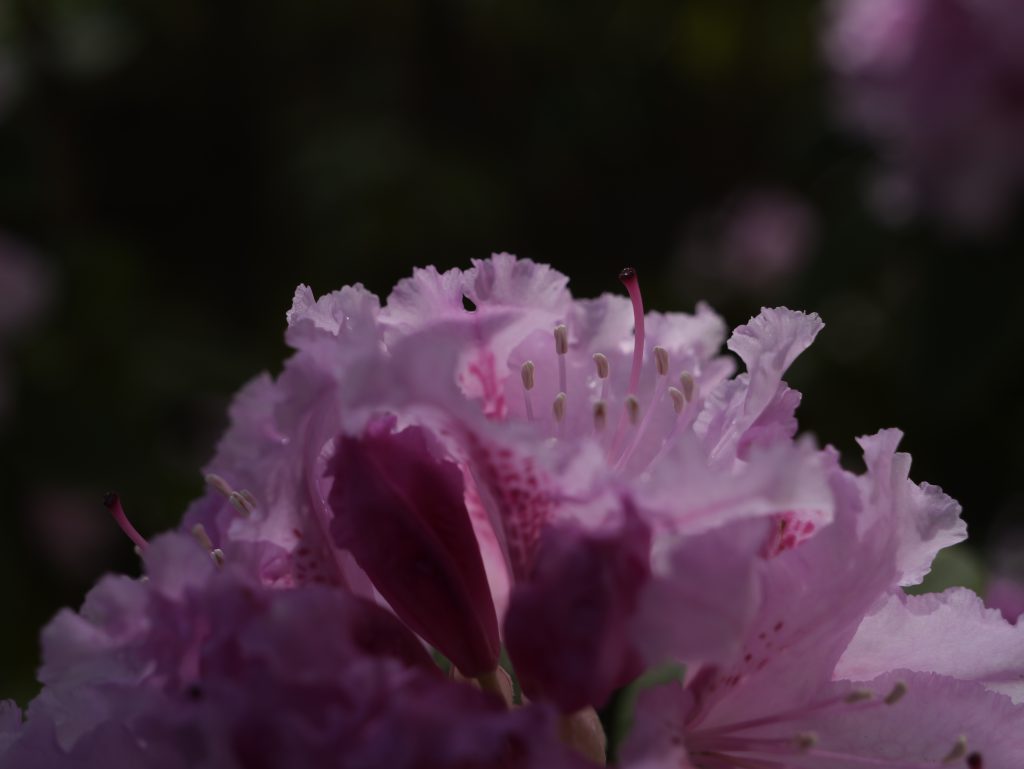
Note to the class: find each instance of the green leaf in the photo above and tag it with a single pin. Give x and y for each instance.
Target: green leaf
(617, 715)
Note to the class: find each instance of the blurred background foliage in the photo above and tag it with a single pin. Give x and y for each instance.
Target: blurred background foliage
(179, 166)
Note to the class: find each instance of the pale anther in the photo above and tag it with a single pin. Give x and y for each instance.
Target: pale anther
(219, 483)
(896, 694)
(958, 751)
(601, 361)
(858, 695)
(249, 498)
(561, 339)
(240, 503)
(661, 360)
(218, 556)
(806, 740)
(199, 532)
(527, 373)
(632, 409)
(678, 399)
(600, 415)
(559, 406)
(687, 385)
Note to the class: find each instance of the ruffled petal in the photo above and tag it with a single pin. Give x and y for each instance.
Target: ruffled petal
(925, 519)
(951, 633)
(768, 345)
(422, 299)
(505, 281)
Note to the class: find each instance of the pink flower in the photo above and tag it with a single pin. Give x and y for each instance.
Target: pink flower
(485, 461)
(839, 668)
(202, 667)
(936, 84)
(563, 425)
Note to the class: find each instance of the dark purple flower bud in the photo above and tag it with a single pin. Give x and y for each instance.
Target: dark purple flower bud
(567, 627)
(399, 509)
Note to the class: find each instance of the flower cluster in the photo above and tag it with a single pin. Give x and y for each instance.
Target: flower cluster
(938, 84)
(484, 475)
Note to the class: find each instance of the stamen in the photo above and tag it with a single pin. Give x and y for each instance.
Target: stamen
(678, 399)
(858, 695)
(661, 360)
(559, 407)
(896, 694)
(600, 415)
(687, 384)
(629, 280)
(958, 751)
(249, 498)
(601, 362)
(526, 372)
(561, 339)
(219, 484)
(113, 503)
(240, 503)
(199, 532)
(806, 740)
(561, 348)
(632, 409)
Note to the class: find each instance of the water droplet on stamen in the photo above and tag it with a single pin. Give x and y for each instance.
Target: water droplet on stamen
(600, 415)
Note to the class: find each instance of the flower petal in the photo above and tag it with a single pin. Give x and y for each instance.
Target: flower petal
(951, 633)
(400, 509)
(567, 628)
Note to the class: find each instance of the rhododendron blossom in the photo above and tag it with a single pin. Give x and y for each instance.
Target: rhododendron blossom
(546, 497)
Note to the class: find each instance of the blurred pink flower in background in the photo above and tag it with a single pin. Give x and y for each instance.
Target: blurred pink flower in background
(938, 86)
(758, 242)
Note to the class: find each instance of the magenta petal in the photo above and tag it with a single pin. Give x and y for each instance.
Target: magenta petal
(567, 628)
(400, 510)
